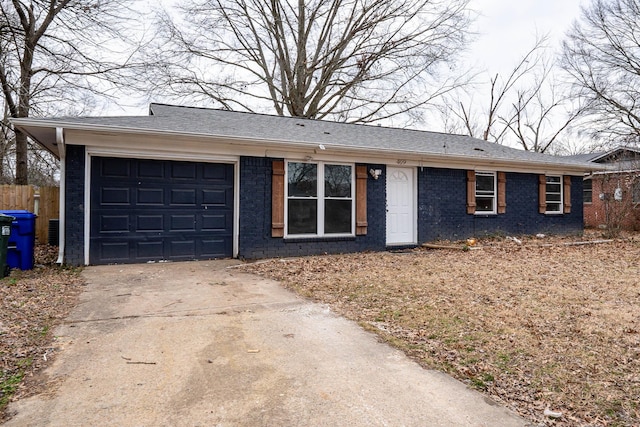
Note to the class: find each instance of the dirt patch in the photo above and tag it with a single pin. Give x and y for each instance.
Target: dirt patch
(32, 303)
(536, 324)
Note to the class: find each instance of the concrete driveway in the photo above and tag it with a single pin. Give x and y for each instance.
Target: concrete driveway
(203, 344)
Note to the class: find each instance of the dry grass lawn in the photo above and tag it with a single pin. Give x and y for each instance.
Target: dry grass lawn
(534, 327)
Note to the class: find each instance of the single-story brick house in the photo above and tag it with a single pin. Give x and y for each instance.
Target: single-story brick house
(612, 196)
(192, 183)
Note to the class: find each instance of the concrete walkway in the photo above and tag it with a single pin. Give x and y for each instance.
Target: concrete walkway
(200, 344)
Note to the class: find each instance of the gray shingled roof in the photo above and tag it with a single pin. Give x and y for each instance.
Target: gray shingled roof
(588, 157)
(275, 129)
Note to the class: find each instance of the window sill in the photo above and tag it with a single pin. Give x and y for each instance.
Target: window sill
(316, 239)
(485, 214)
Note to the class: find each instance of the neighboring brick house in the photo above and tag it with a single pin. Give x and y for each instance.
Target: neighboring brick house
(612, 197)
(192, 183)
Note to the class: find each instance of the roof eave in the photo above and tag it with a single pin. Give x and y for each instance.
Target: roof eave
(27, 126)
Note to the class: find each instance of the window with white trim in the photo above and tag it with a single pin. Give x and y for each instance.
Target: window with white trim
(485, 192)
(553, 194)
(587, 191)
(320, 199)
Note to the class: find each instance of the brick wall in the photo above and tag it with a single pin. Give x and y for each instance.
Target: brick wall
(255, 218)
(74, 208)
(441, 211)
(442, 208)
(623, 212)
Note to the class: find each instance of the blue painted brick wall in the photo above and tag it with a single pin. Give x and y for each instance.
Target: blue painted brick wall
(255, 218)
(441, 211)
(442, 208)
(74, 208)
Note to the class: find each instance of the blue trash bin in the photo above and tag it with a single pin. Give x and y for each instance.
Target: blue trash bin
(22, 239)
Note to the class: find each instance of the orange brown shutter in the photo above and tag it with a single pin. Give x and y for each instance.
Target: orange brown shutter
(502, 192)
(277, 199)
(566, 197)
(471, 192)
(542, 194)
(361, 200)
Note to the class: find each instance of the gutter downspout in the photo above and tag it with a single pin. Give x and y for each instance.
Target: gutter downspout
(62, 150)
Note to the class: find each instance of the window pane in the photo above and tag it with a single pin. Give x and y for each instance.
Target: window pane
(553, 188)
(302, 216)
(587, 191)
(303, 179)
(337, 216)
(484, 183)
(337, 181)
(554, 194)
(484, 204)
(553, 207)
(553, 179)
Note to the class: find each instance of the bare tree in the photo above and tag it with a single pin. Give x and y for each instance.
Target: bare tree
(602, 54)
(6, 148)
(51, 50)
(541, 114)
(577, 143)
(489, 123)
(348, 60)
(520, 108)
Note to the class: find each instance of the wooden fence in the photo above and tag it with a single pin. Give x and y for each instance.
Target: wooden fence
(43, 201)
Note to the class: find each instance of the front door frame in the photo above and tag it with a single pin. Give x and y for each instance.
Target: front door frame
(412, 207)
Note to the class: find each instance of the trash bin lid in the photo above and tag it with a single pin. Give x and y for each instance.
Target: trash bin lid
(19, 214)
(6, 218)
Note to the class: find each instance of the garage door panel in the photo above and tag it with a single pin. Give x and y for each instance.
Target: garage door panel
(214, 248)
(218, 222)
(114, 223)
(115, 196)
(149, 223)
(183, 170)
(113, 251)
(148, 250)
(182, 248)
(150, 196)
(151, 169)
(216, 172)
(183, 222)
(183, 197)
(115, 168)
(145, 210)
(216, 197)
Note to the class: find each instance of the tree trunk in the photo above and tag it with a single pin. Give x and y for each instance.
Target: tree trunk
(22, 172)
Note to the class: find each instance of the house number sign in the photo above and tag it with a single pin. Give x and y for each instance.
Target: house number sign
(402, 162)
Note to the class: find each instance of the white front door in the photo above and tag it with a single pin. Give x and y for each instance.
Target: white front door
(401, 224)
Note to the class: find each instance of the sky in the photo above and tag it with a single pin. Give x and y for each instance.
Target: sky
(507, 29)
